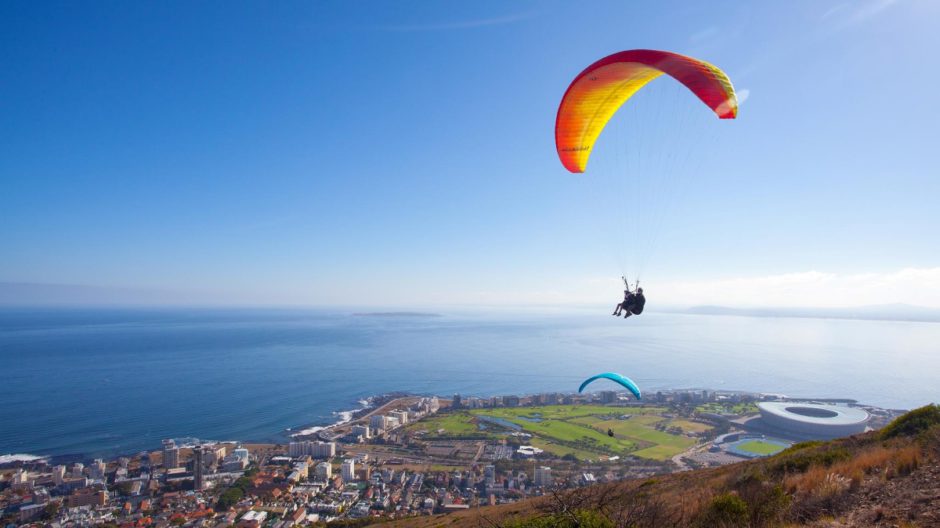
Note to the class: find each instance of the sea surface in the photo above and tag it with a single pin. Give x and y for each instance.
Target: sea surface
(108, 381)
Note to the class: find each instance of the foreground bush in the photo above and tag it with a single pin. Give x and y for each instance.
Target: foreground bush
(912, 423)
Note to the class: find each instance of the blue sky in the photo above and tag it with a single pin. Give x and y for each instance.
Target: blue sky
(402, 153)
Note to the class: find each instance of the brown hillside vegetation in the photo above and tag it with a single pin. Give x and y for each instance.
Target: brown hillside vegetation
(885, 478)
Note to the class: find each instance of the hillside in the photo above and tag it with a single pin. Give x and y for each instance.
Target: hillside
(885, 478)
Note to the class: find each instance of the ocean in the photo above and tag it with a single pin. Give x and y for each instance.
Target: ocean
(99, 382)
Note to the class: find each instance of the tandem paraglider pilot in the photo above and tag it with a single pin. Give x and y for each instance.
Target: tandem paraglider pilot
(632, 304)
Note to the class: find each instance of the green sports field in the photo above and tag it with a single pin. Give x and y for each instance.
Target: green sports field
(579, 430)
(760, 447)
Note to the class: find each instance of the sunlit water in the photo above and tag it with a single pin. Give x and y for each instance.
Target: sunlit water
(115, 381)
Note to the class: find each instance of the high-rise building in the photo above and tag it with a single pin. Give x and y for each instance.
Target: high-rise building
(324, 470)
(489, 475)
(401, 416)
(456, 402)
(608, 396)
(171, 455)
(349, 470)
(78, 470)
(543, 477)
(198, 468)
(298, 449)
(58, 474)
(377, 422)
(361, 430)
(314, 449)
(97, 469)
(324, 450)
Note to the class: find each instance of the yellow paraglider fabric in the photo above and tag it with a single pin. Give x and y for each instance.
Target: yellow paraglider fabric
(596, 94)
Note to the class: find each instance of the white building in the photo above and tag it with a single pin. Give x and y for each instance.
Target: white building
(97, 469)
(241, 454)
(58, 474)
(401, 416)
(171, 455)
(314, 449)
(324, 470)
(349, 470)
(543, 477)
(253, 518)
(299, 449)
(377, 422)
(361, 430)
(20, 480)
(233, 463)
(324, 450)
(213, 455)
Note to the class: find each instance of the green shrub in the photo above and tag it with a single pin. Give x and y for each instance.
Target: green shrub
(800, 460)
(725, 511)
(576, 519)
(913, 422)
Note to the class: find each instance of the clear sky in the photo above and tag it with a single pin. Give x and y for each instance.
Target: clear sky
(402, 153)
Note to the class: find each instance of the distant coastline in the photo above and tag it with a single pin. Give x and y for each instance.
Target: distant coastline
(396, 314)
(891, 312)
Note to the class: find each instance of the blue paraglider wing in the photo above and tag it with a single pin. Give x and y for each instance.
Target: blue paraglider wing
(613, 376)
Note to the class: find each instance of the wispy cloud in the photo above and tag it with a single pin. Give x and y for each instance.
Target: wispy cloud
(916, 286)
(850, 13)
(834, 10)
(462, 24)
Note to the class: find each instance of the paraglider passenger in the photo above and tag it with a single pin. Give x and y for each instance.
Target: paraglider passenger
(637, 304)
(627, 299)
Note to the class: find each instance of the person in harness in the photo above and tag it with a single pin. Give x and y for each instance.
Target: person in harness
(633, 303)
(636, 307)
(628, 298)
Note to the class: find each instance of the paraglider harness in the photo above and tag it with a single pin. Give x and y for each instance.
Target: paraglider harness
(633, 302)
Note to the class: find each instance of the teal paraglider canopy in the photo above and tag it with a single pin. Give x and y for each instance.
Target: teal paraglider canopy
(613, 376)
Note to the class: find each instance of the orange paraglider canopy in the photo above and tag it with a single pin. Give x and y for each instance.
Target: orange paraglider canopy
(596, 94)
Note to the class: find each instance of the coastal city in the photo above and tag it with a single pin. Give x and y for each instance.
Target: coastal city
(409, 456)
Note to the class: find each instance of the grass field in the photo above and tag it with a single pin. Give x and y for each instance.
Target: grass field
(760, 447)
(739, 409)
(689, 426)
(453, 425)
(657, 445)
(560, 450)
(580, 430)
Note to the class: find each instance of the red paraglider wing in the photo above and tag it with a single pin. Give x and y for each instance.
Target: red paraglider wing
(596, 94)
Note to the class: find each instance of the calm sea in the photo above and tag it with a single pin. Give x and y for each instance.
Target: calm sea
(100, 382)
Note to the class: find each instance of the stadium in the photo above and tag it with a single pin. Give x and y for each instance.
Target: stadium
(813, 419)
